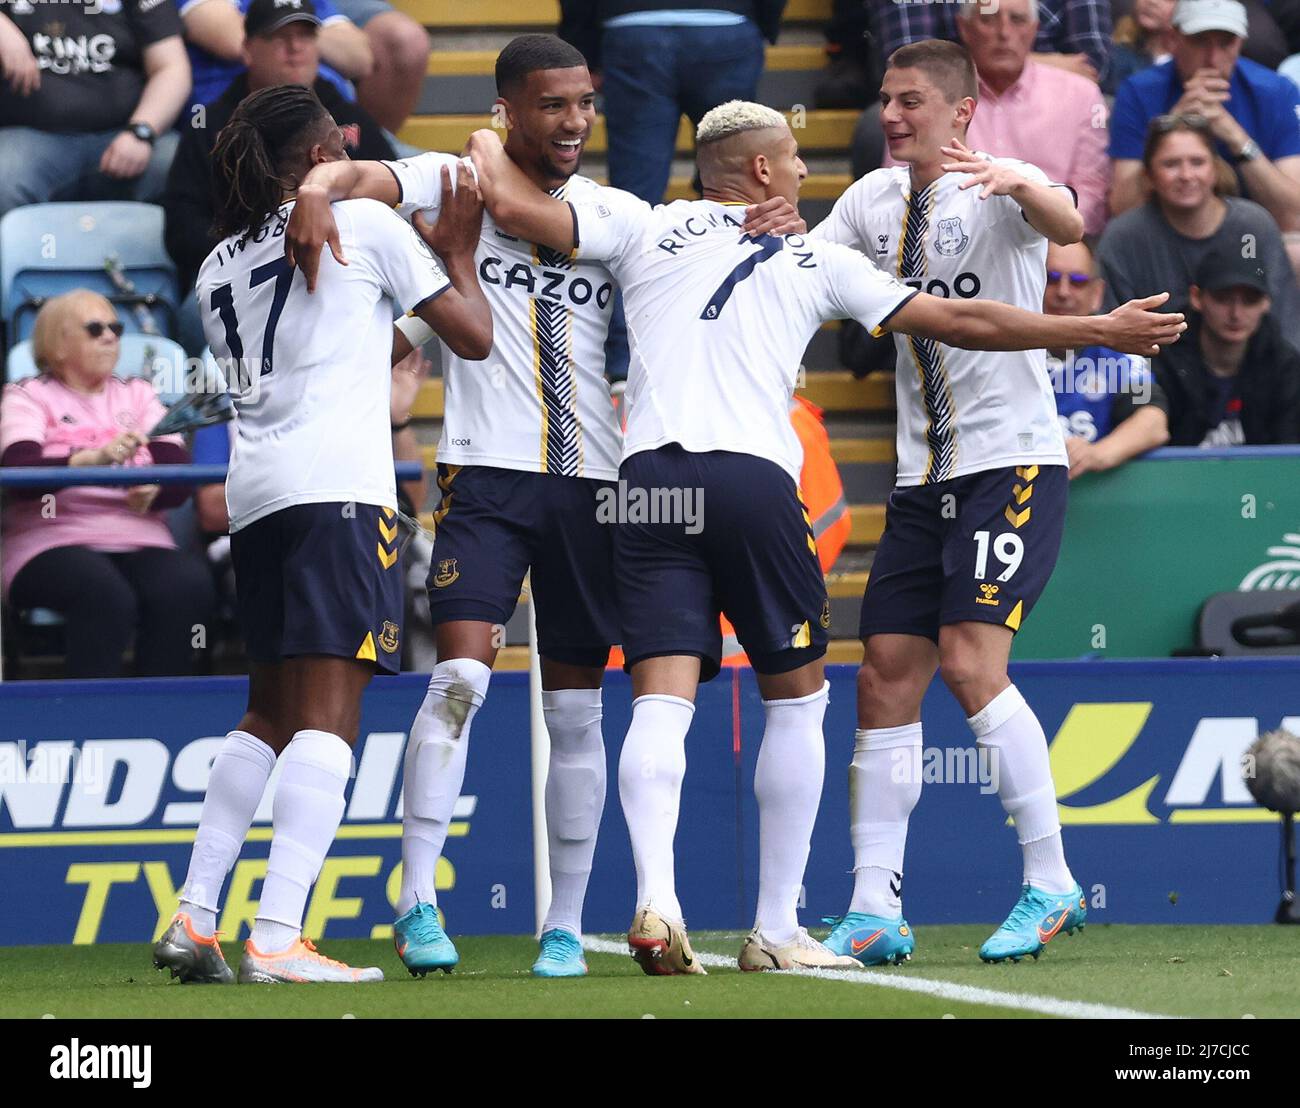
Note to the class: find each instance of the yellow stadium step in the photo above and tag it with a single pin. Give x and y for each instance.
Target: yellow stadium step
(815, 130)
(846, 586)
(868, 524)
(429, 401)
(514, 659)
(848, 451)
(546, 13)
(839, 391)
(816, 186)
(482, 63)
(833, 390)
(844, 652)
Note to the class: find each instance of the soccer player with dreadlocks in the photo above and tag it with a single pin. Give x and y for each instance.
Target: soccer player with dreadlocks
(313, 507)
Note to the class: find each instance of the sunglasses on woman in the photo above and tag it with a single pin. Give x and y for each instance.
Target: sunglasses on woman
(95, 328)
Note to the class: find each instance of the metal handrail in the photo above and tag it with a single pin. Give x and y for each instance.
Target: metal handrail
(58, 477)
(62, 477)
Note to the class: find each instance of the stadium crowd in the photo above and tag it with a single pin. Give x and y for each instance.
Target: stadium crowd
(1175, 124)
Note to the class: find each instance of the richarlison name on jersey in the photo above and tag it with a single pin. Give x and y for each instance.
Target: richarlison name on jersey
(697, 226)
(619, 504)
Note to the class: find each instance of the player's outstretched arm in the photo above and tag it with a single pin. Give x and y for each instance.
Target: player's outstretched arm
(519, 207)
(1049, 210)
(461, 315)
(311, 224)
(1132, 328)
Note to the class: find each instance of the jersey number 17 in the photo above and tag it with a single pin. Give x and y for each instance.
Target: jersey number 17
(223, 303)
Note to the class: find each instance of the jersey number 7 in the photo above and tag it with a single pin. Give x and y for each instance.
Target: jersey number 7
(769, 246)
(223, 303)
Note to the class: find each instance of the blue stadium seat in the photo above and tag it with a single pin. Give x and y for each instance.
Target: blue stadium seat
(48, 249)
(159, 359)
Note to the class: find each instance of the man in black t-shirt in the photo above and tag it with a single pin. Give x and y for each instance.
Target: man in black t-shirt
(1232, 380)
(92, 89)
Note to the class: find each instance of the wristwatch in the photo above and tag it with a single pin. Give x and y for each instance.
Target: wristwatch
(1248, 152)
(142, 131)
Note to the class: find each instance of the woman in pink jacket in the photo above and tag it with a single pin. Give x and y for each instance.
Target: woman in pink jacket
(102, 557)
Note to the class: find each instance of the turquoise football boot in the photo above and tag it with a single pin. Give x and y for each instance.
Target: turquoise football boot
(421, 943)
(872, 940)
(1035, 921)
(560, 956)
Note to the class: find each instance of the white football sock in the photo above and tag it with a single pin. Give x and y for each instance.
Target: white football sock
(304, 817)
(575, 799)
(788, 785)
(650, 771)
(236, 783)
(435, 770)
(884, 786)
(1007, 727)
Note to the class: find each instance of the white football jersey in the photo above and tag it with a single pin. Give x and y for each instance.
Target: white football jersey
(959, 411)
(717, 323)
(311, 372)
(540, 402)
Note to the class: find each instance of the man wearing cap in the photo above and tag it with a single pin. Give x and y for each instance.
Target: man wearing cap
(1232, 380)
(1253, 112)
(214, 33)
(280, 48)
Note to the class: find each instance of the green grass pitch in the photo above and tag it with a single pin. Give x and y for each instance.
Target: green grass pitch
(1226, 972)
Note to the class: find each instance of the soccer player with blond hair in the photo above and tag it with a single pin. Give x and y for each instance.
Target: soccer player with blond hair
(718, 321)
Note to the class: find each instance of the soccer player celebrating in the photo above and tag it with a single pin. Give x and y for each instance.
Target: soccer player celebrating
(313, 508)
(527, 451)
(528, 445)
(973, 528)
(718, 322)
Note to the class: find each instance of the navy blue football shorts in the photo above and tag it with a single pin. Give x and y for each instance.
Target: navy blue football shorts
(717, 532)
(494, 525)
(321, 579)
(975, 548)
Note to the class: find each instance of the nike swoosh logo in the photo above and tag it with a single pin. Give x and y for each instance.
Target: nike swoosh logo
(1046, 936)
(859, 946)
(687, 960)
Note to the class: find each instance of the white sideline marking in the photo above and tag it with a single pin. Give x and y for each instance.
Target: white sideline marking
(946, 990)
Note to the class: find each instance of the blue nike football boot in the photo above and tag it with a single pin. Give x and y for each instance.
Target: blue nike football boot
(1035, 921)
(421, 943)
(872, 940)
(560, 955)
